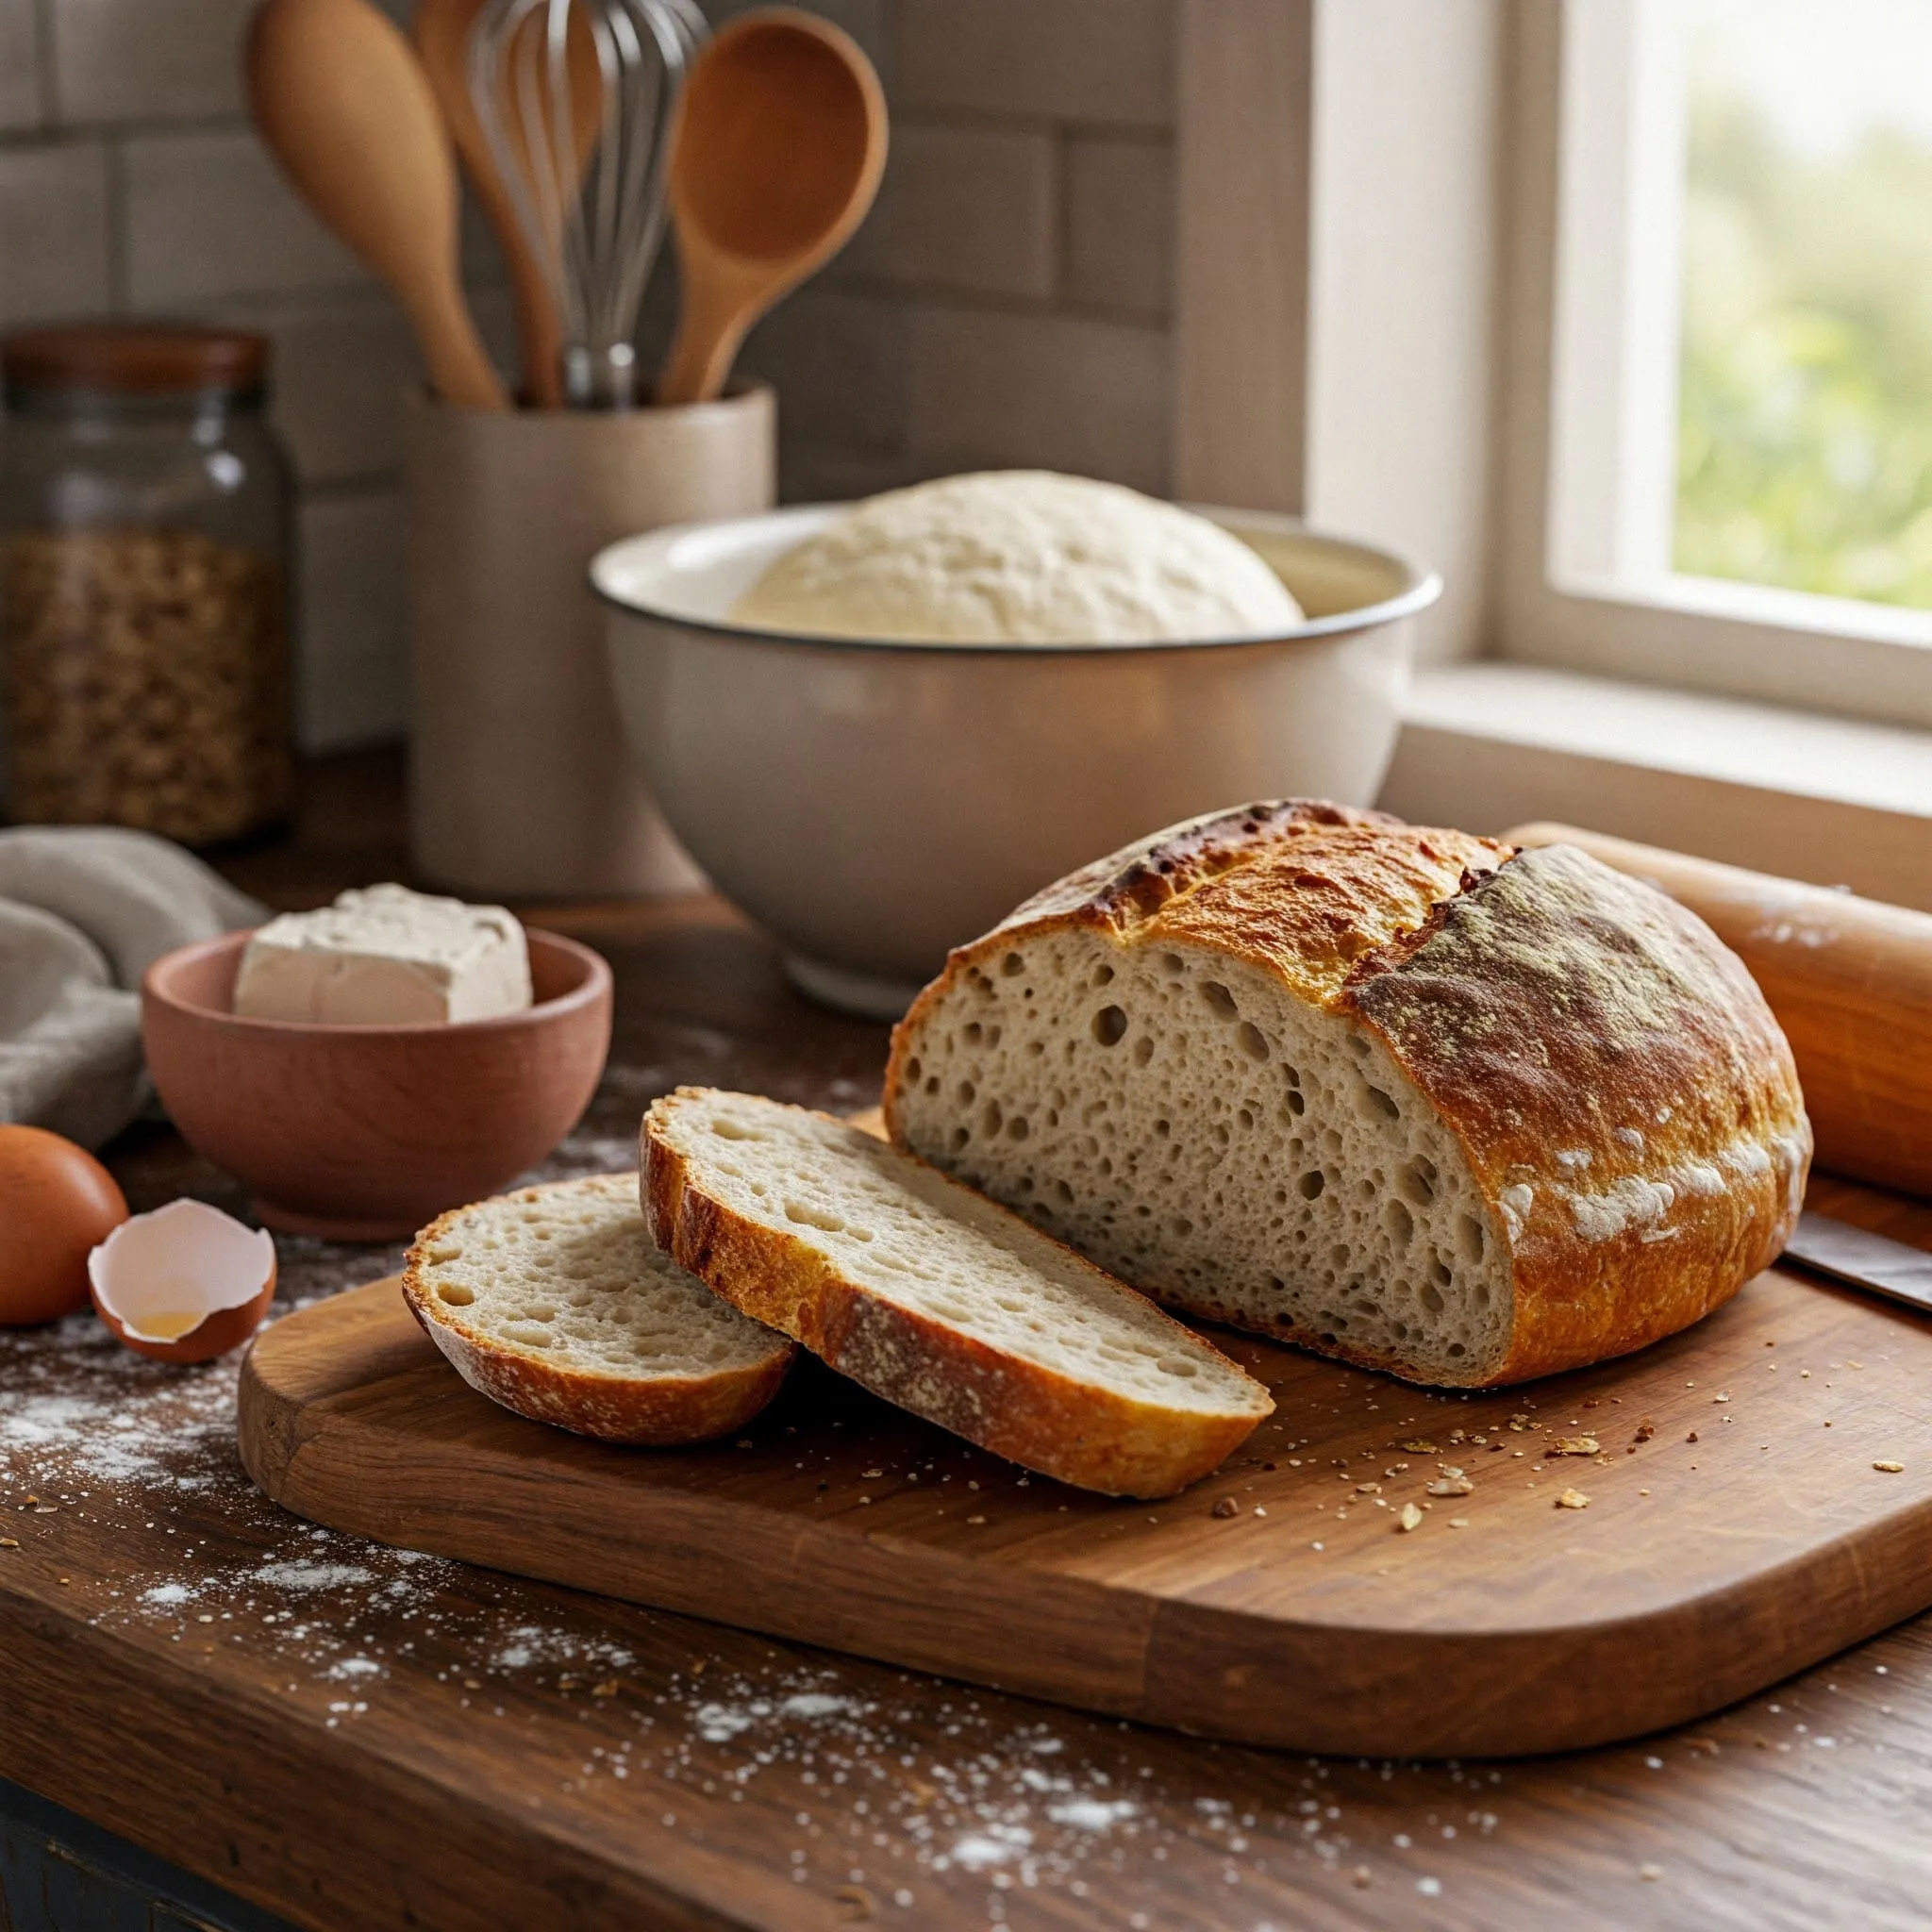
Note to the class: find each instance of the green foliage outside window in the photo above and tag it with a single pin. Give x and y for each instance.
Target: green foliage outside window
(1804, 410)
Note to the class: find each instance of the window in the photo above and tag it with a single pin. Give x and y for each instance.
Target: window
(1725, 293)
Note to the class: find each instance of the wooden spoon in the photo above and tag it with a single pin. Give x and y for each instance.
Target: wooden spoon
(779, 146)
(342, 99)
(442, 40)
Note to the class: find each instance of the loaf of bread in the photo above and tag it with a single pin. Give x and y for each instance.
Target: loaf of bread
(1404, 1096)
(937, 1299)
(555, 1301)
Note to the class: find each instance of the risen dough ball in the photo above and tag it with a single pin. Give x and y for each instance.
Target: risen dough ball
(1020, 557)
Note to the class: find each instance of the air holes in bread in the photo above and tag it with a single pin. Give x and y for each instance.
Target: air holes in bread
(1308, 1209)
(455, 1293)
(809, 1216)
(1377, 1105)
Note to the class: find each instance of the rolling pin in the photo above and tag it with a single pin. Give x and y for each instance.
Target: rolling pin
(1850, 980)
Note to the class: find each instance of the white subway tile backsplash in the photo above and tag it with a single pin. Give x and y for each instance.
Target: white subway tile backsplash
(1089, 60)
(1061, 392)
(20, 66)
(964, 208)
(143, 59)
(343, 360)
(864, 20)
(1120, 224)
(208, 215)
(53, 240)
(838, 363)
(352, 680)
(829, 472)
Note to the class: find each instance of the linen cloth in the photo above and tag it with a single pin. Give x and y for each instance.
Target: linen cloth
(84, 912)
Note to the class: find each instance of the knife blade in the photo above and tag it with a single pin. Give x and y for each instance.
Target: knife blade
(1867, 1260)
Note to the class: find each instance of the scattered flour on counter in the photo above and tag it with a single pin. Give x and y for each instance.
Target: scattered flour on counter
(995, 1847)
(531, 1645)
(881, 1796)
(1093, 1814)
(813, 1704)
(716, 1723)
(307, 1577)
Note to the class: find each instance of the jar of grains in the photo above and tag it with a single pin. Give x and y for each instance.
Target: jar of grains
(143, 583)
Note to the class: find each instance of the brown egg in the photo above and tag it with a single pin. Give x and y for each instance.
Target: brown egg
(184, 1284)
(57, 1203)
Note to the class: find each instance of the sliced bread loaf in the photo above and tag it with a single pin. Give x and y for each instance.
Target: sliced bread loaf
(938, 1299)
(1400, 1095)
(556, 1302)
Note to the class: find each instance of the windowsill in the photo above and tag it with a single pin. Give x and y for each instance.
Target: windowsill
(1490, 745)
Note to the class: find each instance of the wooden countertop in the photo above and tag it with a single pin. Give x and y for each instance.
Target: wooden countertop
(358, 1739)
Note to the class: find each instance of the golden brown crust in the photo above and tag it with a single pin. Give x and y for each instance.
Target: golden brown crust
(1301, 887)
(658, 1411)
(1620, 1086)
(1549, 1008)
(1077, 1432)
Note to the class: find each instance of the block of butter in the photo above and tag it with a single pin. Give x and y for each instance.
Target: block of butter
(384, 955)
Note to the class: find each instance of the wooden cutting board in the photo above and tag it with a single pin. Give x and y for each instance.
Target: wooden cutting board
(1739, 1525)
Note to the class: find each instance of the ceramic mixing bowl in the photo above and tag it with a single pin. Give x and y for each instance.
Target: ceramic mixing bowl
(872, 803)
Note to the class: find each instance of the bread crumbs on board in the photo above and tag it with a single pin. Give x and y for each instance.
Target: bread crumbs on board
(1002, 1799)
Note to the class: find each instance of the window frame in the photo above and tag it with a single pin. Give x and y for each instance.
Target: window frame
(1739, 640)
(1282, 171)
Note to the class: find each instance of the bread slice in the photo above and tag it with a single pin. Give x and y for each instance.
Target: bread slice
(556, 1302)
(936, 1298)
(1402, 1095)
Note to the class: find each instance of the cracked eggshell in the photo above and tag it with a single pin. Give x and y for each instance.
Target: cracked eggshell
(184, 1284)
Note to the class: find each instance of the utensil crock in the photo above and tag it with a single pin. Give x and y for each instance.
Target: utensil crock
(520, 784)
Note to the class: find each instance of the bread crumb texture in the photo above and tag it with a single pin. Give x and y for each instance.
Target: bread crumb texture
(556, 1302)
(937, 1298)
(1392, 1092)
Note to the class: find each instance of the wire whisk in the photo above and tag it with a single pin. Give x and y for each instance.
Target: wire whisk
(576, 99)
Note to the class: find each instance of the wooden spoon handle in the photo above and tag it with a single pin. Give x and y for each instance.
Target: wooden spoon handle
(1850, 980)
(460, 370)
(710, 333)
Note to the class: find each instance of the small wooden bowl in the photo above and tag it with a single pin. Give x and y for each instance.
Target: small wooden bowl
(368, 1133)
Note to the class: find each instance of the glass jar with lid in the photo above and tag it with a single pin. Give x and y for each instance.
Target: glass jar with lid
(144, 544)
